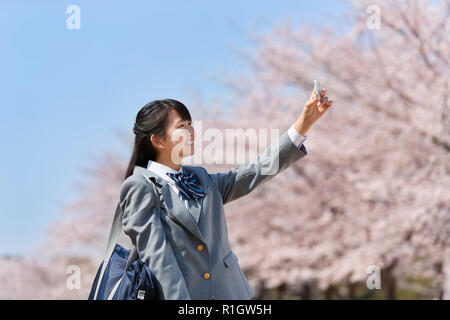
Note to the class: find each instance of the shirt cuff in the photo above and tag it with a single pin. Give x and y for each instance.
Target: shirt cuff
(296, 137)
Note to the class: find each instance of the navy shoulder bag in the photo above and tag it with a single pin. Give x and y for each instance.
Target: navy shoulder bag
(122, 275)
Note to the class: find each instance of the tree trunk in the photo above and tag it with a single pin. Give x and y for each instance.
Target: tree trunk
(388, 281)
(446, 272)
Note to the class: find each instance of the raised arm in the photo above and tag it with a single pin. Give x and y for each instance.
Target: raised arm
(241, 180)
(281, 154)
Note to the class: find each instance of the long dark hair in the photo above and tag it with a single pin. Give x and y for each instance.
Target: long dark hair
(152, 119)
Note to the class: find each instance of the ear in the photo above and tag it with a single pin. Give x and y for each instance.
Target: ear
(156, 142)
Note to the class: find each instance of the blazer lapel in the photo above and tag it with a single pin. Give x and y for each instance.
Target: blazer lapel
(195, 208)
(175, 206)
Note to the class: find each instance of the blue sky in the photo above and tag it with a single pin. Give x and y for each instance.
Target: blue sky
(64, 91)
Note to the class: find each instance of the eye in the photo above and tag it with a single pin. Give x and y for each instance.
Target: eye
(181, 125)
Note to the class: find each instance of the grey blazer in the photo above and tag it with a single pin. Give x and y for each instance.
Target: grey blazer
(193, 259)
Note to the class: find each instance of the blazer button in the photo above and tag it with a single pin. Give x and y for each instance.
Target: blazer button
(199, 247)
(206, 275)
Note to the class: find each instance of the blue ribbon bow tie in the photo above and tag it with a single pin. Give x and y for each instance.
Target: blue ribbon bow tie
(187, 184)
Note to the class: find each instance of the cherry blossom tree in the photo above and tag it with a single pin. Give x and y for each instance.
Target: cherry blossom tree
(374, 188)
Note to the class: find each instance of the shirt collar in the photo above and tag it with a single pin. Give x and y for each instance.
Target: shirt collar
(161, 170)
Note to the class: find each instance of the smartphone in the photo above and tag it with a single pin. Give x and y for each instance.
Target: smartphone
(317, 90)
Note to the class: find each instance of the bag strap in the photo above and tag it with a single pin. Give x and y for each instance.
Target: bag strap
(116, 229)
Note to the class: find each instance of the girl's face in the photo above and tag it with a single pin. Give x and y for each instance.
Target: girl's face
(179, 140)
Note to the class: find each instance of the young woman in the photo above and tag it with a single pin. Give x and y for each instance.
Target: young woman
(186, 246)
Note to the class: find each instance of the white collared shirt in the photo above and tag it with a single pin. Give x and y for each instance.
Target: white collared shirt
(162, 170)
(296, 137)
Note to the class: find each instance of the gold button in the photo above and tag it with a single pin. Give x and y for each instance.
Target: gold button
(199, 247)
(206, 275)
